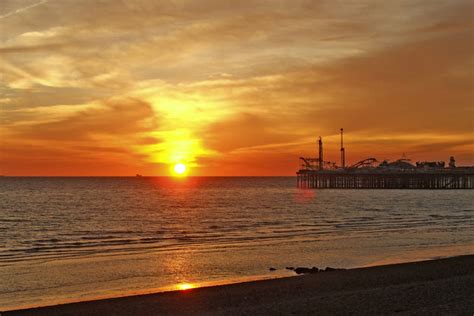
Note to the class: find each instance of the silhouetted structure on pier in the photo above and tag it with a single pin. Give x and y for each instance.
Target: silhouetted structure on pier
(315, 173)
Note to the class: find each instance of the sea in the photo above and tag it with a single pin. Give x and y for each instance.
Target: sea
(69, 239)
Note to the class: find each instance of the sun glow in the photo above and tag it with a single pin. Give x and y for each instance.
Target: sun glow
(179, 169)
(185, 286)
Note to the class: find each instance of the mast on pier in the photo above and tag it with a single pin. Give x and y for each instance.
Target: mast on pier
(320, 153)
(343, 151)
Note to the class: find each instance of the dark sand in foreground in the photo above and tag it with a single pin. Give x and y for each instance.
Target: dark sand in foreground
(444, 286)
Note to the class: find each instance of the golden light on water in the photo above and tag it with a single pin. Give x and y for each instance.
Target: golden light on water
(180, 169)
(185, 286)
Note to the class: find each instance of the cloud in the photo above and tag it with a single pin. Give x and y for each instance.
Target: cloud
(244, 130)
(23, 9)
(99, 139)
(114, 117)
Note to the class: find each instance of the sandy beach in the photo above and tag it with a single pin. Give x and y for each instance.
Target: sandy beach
(442, 286)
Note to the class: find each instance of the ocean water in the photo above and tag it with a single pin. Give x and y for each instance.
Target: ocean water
(72, 239)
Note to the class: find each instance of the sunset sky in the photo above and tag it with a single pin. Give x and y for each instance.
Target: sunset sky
(110, 87)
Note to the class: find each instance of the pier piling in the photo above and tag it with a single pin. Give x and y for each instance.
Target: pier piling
(345, 179)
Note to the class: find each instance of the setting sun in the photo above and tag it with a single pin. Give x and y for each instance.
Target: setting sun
(179, 169)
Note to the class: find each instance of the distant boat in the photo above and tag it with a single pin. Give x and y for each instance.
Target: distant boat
(138, 175)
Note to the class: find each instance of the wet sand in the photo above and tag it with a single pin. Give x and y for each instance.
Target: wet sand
(443, 286)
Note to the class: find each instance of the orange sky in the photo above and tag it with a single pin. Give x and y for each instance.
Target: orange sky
(124, 87)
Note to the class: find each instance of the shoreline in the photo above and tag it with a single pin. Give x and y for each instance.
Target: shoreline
(440, 285)
(153, 291)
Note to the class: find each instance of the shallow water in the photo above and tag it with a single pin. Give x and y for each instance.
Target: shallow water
(67, 239)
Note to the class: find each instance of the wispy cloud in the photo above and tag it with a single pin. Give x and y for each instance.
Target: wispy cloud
(23, 9)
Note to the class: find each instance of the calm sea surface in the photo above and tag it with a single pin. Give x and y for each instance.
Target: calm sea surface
(69, 239)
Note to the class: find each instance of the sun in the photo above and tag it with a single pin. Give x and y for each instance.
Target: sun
(179, 169)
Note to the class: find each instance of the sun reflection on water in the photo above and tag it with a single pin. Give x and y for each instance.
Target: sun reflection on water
(185, 286)
(304, 196)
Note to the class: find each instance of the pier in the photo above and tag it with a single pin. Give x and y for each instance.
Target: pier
(315, 173)
(348, 179)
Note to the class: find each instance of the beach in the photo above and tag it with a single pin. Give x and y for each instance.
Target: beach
(440, 286)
